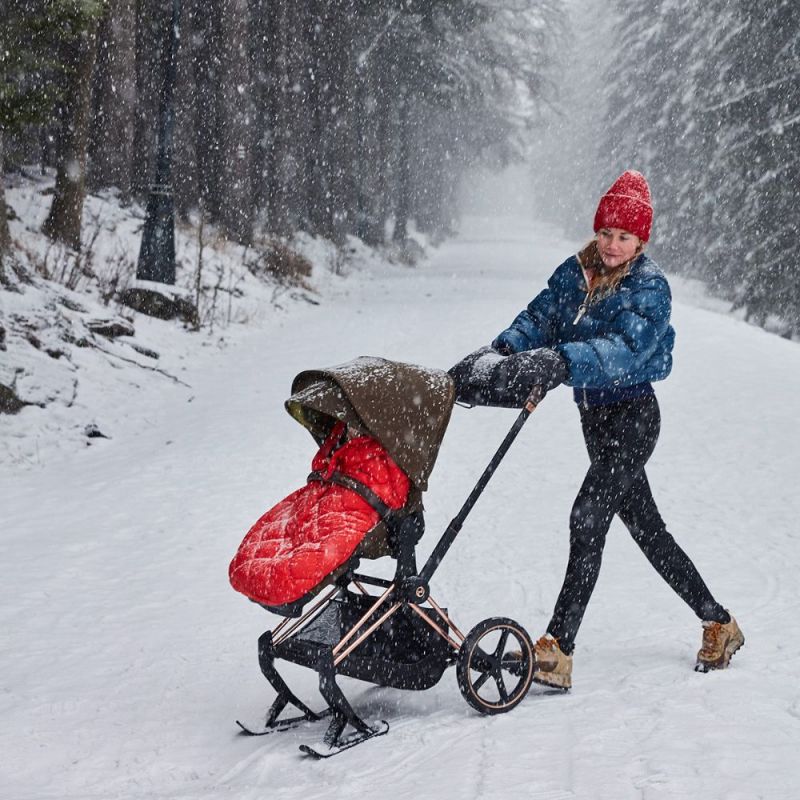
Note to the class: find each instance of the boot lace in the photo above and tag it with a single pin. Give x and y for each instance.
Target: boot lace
(712, 635)
(547, 642)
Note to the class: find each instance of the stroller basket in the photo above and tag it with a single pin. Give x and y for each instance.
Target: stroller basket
(404, 652)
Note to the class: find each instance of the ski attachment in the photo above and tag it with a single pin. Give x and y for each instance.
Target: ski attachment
(346, 743)
(283, 725)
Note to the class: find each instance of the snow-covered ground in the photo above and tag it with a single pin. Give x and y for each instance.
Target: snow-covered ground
(125, 656)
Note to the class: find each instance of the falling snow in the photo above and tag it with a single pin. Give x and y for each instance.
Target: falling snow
(390, 180)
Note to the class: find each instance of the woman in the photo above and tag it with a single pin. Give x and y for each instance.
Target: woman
(602, 327)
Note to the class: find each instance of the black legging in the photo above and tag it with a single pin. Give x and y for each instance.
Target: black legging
(620, 439)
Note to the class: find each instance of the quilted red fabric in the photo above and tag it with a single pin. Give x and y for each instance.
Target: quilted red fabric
(302, 539)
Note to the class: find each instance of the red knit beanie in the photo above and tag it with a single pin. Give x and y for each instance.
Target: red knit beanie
(626, 205)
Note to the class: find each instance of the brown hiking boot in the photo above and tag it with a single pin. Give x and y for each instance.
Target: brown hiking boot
(553, 667)
(720, 642)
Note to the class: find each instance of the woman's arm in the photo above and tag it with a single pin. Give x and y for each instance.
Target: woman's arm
(535, 325)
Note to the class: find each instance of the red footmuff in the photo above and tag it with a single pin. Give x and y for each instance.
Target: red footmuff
(316, 529)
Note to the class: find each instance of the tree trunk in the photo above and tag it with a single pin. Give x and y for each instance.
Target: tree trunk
(335, 122)
(344, 133)
(63, 223)
(114, 100)
(205, 42)
(402, 209)
(258, 37)
(236, 150)
(386, 134)
(151, 19)
(5, 236)
(185, 181)
(430, 188)
(278, 162)
(315, 183)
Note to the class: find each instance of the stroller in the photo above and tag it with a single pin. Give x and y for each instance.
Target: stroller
(386, 632)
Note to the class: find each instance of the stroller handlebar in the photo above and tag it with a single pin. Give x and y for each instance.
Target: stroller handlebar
(535, 397)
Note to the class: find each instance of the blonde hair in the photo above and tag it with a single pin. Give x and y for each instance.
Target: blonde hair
(604, 280)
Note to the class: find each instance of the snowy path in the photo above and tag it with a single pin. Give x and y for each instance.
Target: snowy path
(125, 656)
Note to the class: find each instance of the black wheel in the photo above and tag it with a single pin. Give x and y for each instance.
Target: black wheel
(493, 677)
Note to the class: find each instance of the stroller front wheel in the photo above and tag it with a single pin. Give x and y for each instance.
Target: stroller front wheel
(495, 665)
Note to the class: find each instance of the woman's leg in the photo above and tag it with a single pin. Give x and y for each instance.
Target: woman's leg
(619, 439)
(640, 515)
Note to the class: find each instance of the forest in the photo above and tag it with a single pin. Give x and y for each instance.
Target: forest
(362, 117)
(206, 203)
(330, 116)
(703, 97)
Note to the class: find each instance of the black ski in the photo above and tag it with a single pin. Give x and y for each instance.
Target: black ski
(350, 741)
(283, 724)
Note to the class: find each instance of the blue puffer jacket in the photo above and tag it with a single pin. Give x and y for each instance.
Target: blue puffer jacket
(619, 344)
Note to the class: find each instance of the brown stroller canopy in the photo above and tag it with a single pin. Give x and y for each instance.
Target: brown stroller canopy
(404, 406)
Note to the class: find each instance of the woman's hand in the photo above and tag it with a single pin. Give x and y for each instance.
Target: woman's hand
(473, 373)
(517, 374)
(486, 378)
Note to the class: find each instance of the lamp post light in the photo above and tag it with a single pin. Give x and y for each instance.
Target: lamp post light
(157, 252)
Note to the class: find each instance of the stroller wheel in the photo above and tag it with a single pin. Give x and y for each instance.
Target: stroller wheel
(495, 665)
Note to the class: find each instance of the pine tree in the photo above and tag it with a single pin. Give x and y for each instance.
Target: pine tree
(33, 70)
(78, 48)
(761, 160)
(706, 98)
(334, 116)
(114, 99)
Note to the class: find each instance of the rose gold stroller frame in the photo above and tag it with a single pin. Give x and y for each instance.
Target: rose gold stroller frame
(340, 651)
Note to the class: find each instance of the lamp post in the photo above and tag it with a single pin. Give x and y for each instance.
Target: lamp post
(157, 252)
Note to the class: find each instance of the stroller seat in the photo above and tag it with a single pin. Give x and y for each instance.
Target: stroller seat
(295, 546)
(363, 499)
